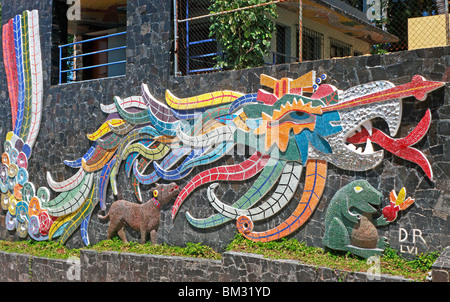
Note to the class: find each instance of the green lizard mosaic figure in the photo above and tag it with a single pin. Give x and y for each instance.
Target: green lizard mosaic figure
(351, 221)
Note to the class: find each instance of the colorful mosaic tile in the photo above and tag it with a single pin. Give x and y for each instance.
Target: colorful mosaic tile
(300, 126)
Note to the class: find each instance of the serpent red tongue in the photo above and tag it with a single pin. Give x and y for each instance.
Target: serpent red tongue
(360, 137)
(400, 147)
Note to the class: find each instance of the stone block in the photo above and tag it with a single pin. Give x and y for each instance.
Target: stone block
(441, 268)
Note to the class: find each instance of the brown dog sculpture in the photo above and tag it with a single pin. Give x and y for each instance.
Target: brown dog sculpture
(141, 217)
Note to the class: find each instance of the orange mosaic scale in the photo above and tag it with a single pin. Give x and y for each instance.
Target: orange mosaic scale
(100, 163)
(316, 173)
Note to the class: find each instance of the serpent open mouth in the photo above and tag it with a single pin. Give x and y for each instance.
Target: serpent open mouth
(367, 134)
(355, 140)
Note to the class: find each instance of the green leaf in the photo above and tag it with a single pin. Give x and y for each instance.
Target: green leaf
(238, 32)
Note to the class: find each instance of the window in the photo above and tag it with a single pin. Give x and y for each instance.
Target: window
(283, 52)
(312, 45)
(339, 49)
(91, 43)
(196, 50)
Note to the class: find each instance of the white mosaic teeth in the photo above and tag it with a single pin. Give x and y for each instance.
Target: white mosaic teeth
(368, 126)
(368, 149)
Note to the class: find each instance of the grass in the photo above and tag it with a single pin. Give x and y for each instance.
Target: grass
(47, 249)
(196, 250)
(53, 250)
(391, 262)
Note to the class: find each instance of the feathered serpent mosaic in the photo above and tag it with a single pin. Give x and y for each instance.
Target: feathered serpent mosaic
(298, 127)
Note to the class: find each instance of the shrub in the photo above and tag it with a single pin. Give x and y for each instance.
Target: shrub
(244, 35)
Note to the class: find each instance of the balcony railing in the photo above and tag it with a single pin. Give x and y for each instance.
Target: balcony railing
(70, 70)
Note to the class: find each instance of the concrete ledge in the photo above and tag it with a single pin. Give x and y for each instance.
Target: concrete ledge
(441, 268)
(113, 266)
(16, 267)
(243, 267)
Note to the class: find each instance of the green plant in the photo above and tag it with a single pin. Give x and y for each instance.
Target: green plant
(379, 49)
(47, 249)
(196, 250)
(243, 35)
(424, 262)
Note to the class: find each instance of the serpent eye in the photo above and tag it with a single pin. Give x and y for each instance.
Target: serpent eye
(358, 189)
(299, 115)
(155, 193)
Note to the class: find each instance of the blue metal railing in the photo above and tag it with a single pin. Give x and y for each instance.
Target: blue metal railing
(71, 70)
(189, 57)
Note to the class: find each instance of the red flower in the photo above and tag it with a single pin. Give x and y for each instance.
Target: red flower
(390, 212)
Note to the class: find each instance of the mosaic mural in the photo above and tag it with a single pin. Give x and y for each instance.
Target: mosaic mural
(350, 222)
(299, 126)
(144, 218)
(22, 58)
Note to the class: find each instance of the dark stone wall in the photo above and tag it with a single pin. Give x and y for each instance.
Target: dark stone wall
(70, 111)
(93, 266)
(428, 217)
(73, 110)
(441, 268)
(26, 268)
